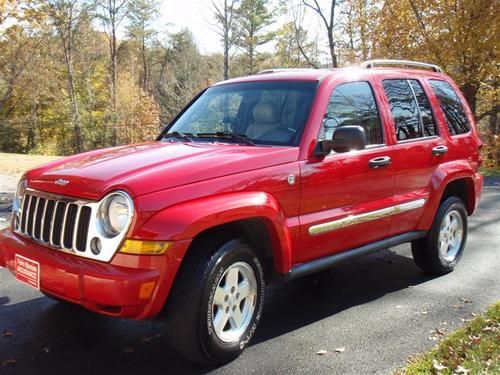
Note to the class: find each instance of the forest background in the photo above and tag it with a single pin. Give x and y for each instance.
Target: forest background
(77, 75)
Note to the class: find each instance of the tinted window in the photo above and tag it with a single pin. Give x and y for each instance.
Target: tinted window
(404, 109)
(451, 106)
(425, 109)
(272, 113)
(353, 104)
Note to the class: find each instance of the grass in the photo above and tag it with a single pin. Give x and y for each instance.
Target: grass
(491, 172)
(473, 349)
(16, 164)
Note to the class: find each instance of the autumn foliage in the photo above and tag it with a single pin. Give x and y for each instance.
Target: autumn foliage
(79, 74)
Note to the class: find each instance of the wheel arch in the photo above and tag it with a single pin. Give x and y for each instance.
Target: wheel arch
(255, 216)
(451, 179)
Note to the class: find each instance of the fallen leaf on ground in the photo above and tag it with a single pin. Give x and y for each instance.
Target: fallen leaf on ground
(340, 350)
(461, 370)
(321, 352)
(9, 362)
(440, 331)
(46, 350)
(438, 366)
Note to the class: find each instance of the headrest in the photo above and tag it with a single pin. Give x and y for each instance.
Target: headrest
(266, 113)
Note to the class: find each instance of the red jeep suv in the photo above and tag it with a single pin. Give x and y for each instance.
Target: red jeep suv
(259, 179)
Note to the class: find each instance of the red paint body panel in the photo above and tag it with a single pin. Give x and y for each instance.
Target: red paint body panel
(182, 189)
(109, 288)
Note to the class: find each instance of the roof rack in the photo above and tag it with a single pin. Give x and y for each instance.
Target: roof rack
(280, 70)
(372, 63)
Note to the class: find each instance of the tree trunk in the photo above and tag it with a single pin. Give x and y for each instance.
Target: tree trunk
(144, 65)
(113, 84)
(331, 44)
(226, 55)
(226, 41)
(75, 114)
(470, 92)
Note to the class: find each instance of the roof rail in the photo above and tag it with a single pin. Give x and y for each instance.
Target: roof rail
(279, 70)
(372, 63)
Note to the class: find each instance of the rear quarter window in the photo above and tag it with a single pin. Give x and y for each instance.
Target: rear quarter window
(451, 106)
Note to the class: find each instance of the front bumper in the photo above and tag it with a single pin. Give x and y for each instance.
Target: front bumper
(109, 288)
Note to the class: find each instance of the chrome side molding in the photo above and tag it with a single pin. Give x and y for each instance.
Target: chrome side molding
(363, 218)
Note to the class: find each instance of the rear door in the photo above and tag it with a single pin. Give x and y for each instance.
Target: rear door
(418, 149)
(344, 200)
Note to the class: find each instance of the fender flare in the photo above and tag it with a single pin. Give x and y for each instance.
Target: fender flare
(445, 174)
(184, 221)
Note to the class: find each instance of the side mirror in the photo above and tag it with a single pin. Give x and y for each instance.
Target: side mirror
(344, 139)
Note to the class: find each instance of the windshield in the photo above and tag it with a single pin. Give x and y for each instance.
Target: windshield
(266, 113)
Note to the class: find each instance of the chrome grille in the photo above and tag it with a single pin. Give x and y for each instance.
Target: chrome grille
(59, 222)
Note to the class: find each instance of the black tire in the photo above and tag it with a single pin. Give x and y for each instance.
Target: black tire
(426, 251)
(190, 308)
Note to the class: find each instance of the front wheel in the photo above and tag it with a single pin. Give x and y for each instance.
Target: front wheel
(440, 251)
(217, 302)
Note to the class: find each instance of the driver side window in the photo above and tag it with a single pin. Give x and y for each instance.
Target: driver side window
(353, 103)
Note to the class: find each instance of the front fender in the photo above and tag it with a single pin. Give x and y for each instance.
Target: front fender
(185, 220)
(445, 174)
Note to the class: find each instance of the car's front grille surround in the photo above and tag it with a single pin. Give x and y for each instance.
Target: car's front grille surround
(64, 223)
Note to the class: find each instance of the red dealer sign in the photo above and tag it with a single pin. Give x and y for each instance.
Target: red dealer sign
(28, 271)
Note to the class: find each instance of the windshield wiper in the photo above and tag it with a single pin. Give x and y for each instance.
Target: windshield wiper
(228, 135)
(180, 135)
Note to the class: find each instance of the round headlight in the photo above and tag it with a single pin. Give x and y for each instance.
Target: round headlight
(115, 212)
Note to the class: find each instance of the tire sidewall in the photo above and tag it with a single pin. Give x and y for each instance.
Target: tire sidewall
(450, 204)
(230, 253)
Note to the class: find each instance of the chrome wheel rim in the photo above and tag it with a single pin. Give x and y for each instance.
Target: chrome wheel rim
(451, 235)
(234, 302)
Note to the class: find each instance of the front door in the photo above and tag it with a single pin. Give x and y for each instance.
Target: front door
(346, 197)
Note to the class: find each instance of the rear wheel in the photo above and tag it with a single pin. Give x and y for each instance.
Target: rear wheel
(440, 251)
(216, 303)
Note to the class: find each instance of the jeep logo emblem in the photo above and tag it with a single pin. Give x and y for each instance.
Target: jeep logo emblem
(61, 182)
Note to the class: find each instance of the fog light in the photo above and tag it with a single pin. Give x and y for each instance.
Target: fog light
(139, 247)
(95, 246)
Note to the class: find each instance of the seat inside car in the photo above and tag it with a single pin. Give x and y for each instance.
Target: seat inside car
(266, 118)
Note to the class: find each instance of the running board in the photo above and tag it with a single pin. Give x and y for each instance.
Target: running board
(321, 264)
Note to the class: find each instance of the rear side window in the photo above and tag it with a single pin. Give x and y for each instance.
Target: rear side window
(353, 103)
(428, 124)
(410, 109)
(451, 106)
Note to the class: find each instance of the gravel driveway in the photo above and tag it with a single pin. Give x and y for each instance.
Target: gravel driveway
(368, 316)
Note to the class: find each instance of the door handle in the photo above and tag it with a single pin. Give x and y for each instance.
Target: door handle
(380, 161)
(439, 150)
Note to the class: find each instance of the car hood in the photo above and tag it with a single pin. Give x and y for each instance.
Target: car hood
(149, 167)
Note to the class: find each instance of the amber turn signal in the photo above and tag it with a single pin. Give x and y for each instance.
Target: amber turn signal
(139, 247)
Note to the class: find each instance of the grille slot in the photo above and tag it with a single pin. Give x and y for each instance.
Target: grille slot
(60, 222)
(83, 228)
